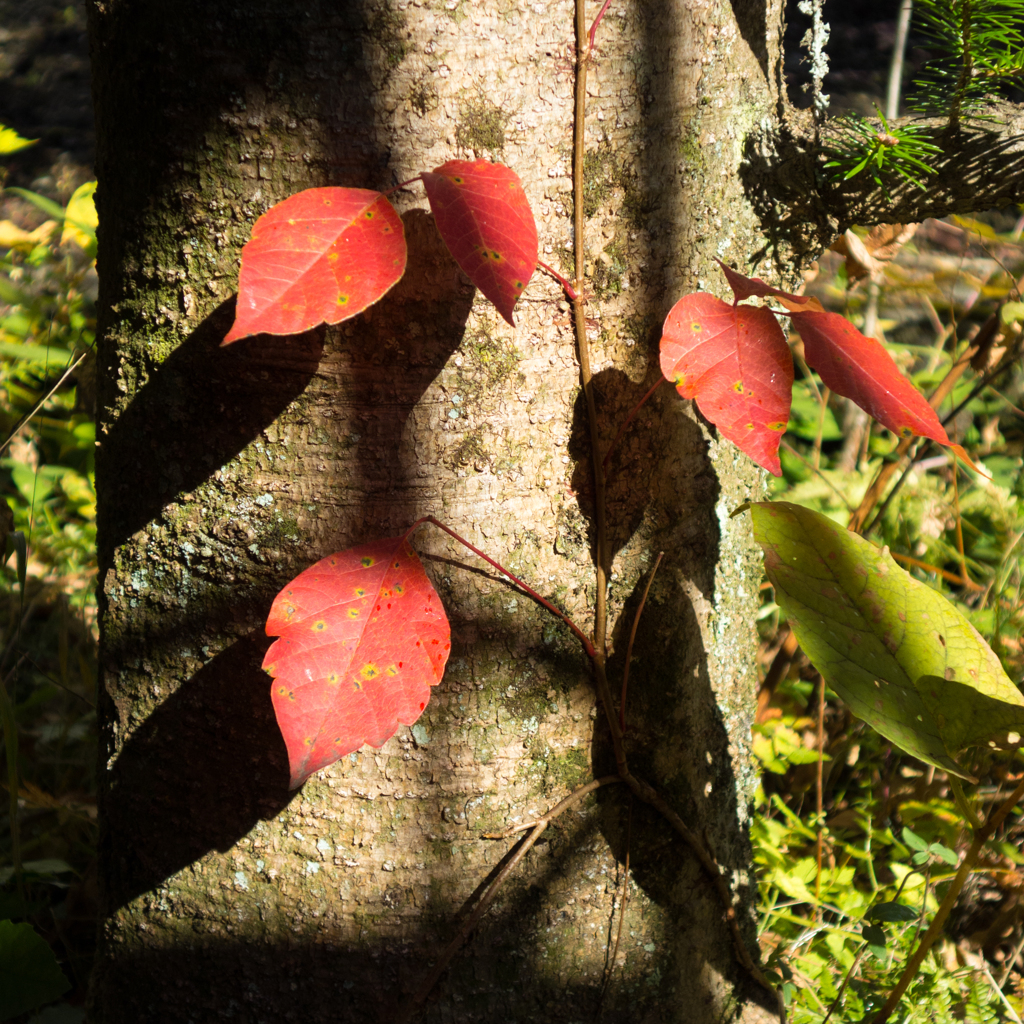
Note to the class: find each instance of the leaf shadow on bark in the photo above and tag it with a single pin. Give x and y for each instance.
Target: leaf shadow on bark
(225, 767)
(196, 412)
(211, 758)
(752, 21)
(380, 366)
(332, 978)
(632, 466)
(677, 739)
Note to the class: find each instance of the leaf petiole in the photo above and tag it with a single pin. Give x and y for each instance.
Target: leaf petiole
(581, 636)
(403, 184)
(961, 802)
(569, 290)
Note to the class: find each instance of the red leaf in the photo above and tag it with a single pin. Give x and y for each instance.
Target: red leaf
(484, 218)
(363, 637)
(743, 287)
(735, 362)
(860, 369)
(321, 256)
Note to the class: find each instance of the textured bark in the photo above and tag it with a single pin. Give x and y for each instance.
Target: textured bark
(222, 473)
(980, 166)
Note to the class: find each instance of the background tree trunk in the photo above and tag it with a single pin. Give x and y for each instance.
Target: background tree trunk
(222, 473)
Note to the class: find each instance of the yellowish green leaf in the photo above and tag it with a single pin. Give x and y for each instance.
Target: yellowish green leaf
(11, 141)
(80, 219)
(898, 653)
(13, 237)
(1011, 312)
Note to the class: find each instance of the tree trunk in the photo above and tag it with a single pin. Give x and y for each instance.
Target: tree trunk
(223, 472)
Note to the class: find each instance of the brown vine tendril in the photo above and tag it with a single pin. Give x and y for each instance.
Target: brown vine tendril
(641, 789)
(491, 892)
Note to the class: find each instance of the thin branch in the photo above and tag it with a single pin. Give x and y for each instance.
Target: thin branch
(623, 900)
(492, 890)
(892, 96)
(24, 421)
(580, 326)
(583, 638)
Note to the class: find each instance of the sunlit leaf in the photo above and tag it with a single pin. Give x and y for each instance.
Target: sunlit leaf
(363, 638)
(898, 653)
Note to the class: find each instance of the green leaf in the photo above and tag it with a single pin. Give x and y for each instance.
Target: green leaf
(46, 868)
(913, 840)
(891, 912)
(944, 853)
(1011, 312)
(30, 975)
(80, 219)
(898, 653)
(57, 358)
(48, 206)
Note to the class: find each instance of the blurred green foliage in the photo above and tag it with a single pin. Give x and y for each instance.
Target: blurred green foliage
(47, 644)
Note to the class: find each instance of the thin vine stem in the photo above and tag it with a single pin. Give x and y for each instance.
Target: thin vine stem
(570, 292)
(492, 890)
(581, 636)
(580, 325)
(640, 788)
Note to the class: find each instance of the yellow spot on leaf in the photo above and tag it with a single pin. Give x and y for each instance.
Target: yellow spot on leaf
(738, 387)
(360, 591)
(333, 679)
(366, 561)
(777, 426)
(319, 626)
(342, 300)
(353, 613)
(369, 671)
(695, 326)
(392, 670)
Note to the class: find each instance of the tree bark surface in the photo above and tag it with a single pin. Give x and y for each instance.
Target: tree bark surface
(222, 473)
